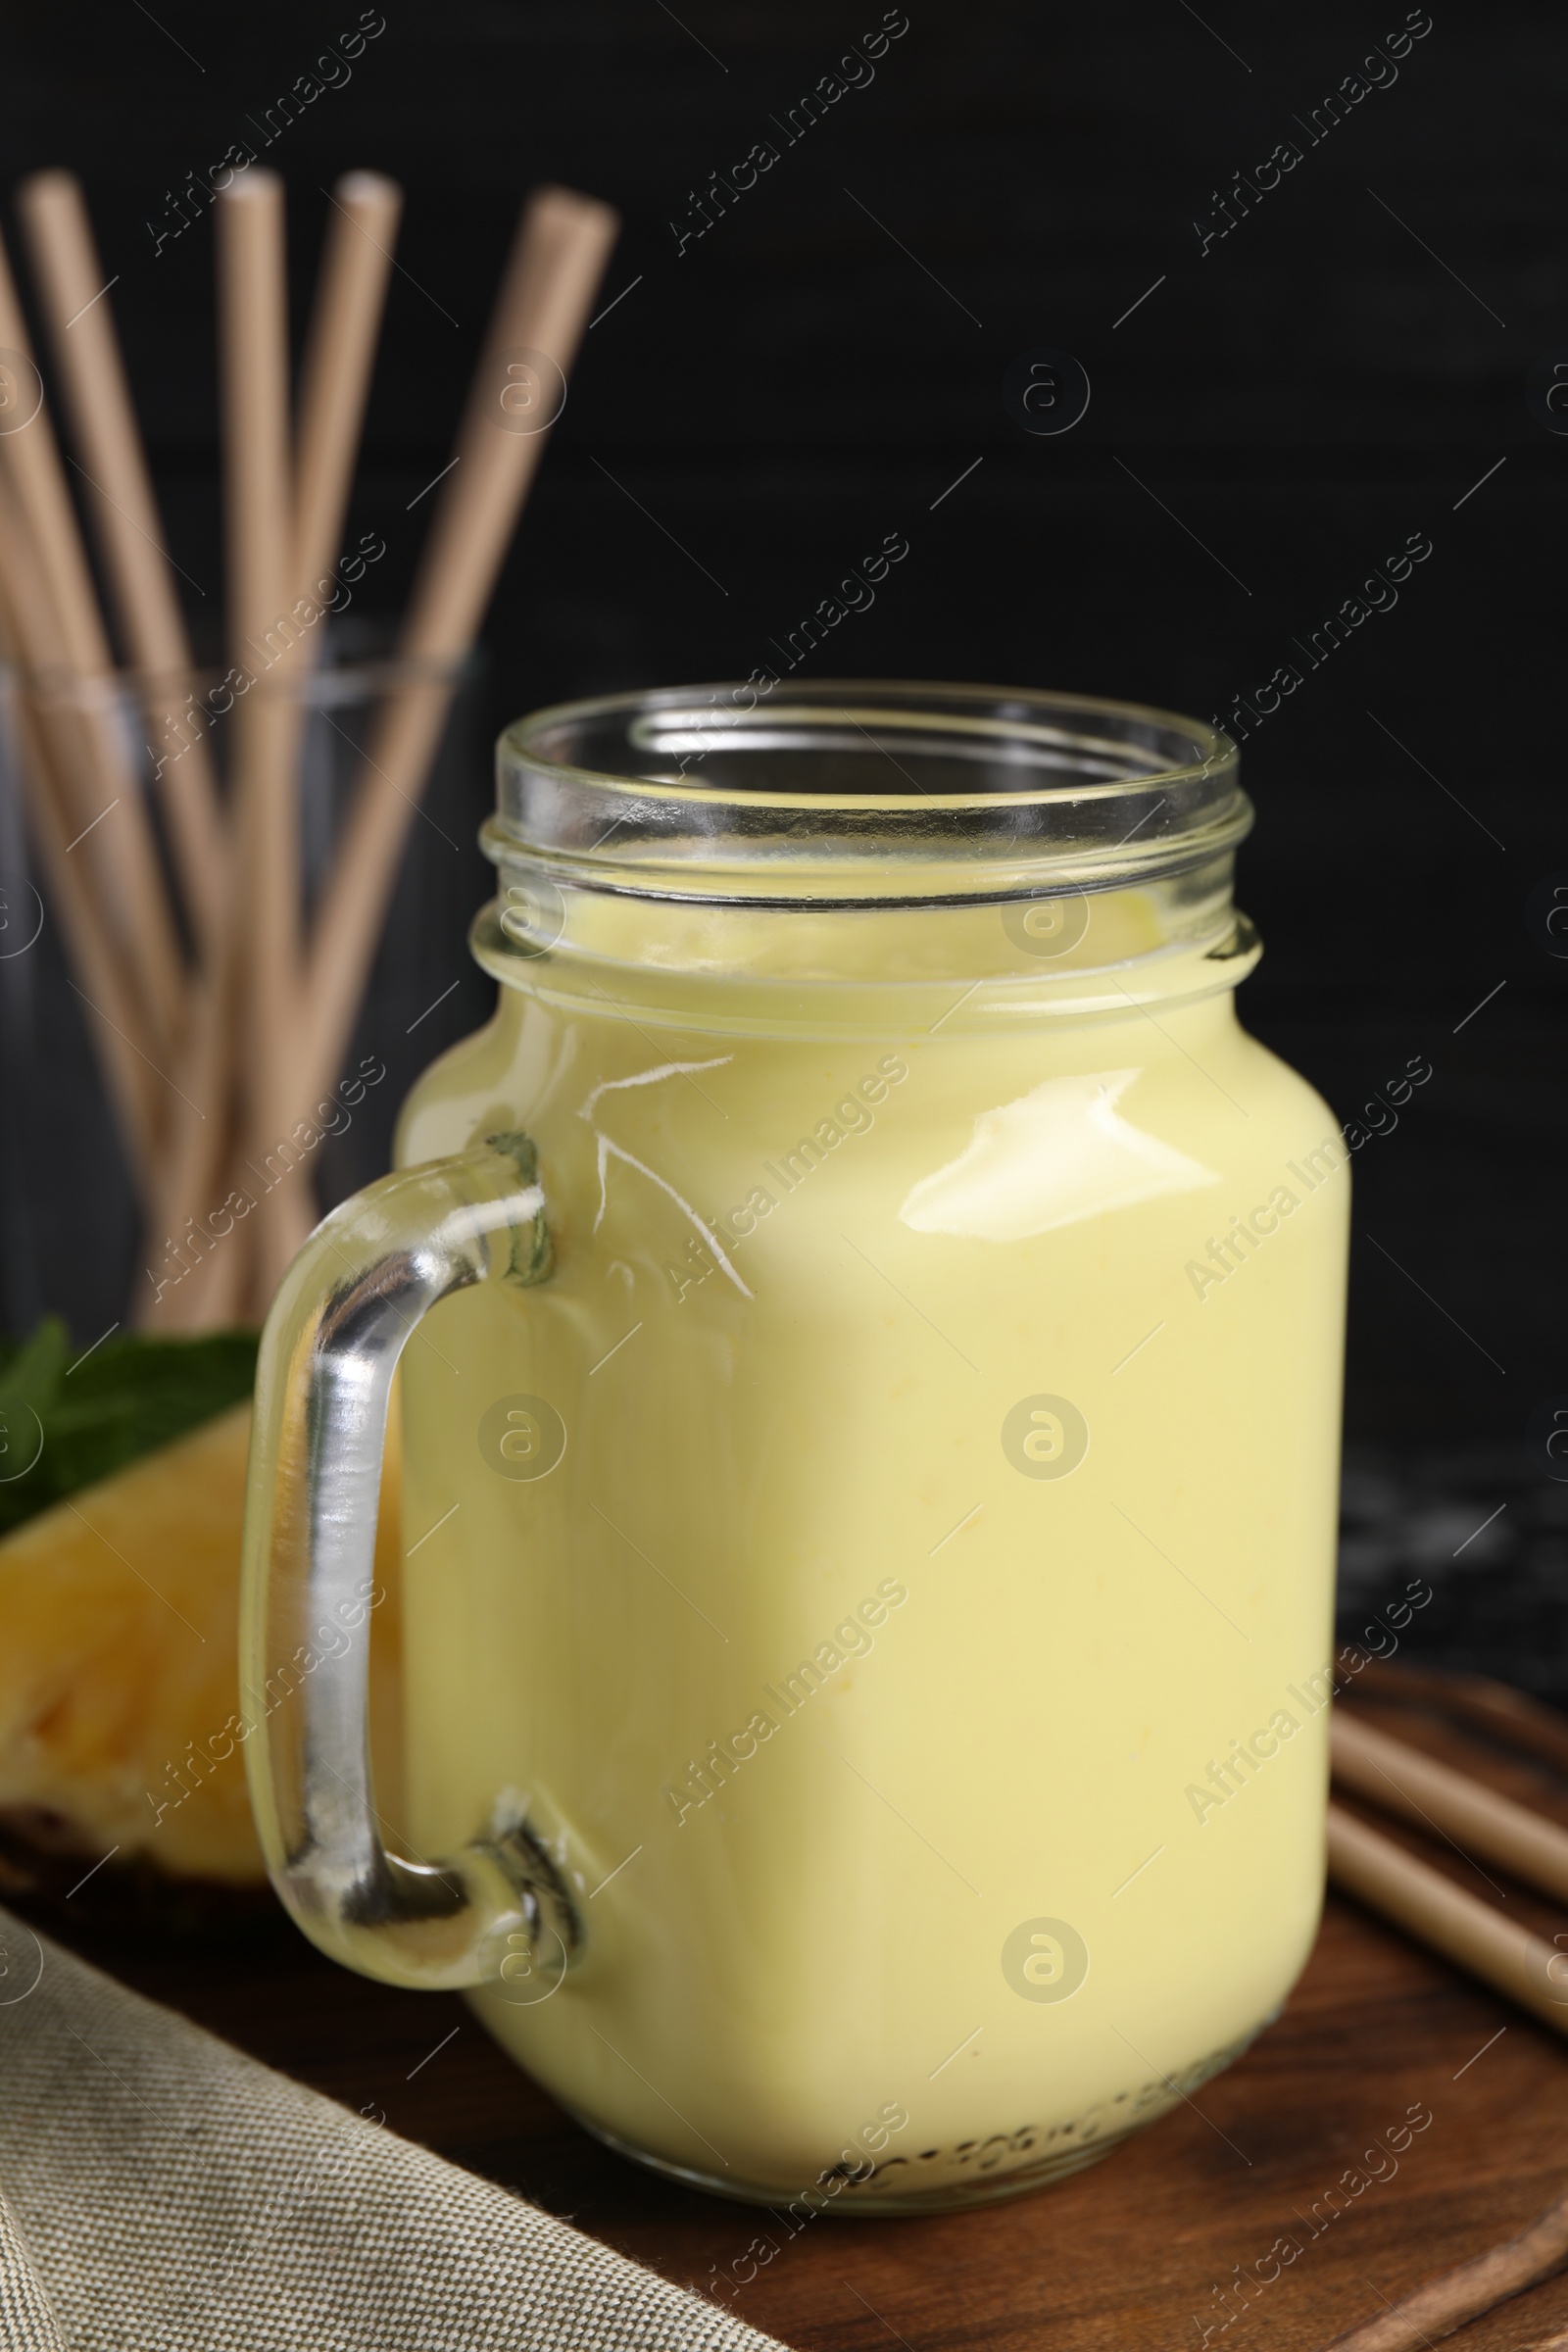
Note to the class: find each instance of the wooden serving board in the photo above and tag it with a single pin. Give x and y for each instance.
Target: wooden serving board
(1124, 2257)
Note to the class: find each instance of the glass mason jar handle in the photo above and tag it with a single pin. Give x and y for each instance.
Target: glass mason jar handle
(342, 1316)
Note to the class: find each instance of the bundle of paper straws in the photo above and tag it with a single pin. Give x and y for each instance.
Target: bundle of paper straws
(218, 1022)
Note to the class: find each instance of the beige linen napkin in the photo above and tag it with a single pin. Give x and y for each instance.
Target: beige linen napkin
(161, 2193)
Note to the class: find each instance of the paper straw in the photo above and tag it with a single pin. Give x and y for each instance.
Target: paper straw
(1398, 1779)
(253, 339)
(1454, 2298)
(1436, 1912)
(339, 356)
(127, 1074)
(125, 511)
(130, 885)
(557, 263)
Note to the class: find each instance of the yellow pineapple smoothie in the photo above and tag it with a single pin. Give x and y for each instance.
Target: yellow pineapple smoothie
(887, 1561)
(819, 1656)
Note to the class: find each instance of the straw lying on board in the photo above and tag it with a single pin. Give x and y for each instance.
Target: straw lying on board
(1400, 1779)
(1420, 1899)
(1457, 2296)
(1436, 1798)
(216, 1024)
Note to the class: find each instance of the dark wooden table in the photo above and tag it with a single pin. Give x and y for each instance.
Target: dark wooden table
(1125, 2256)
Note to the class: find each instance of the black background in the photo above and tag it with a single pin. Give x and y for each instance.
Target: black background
(1339, 372)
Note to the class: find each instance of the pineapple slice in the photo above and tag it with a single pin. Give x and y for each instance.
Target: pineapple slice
(119, 1705)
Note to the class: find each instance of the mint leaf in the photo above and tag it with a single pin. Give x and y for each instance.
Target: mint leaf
(61, 1429)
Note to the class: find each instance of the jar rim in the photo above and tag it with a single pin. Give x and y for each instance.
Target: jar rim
(855, 790)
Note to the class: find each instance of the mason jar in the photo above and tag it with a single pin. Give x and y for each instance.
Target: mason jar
(870, 1325)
